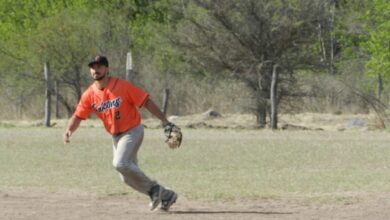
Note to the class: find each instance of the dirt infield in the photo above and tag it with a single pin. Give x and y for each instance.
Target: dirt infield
(44, 206)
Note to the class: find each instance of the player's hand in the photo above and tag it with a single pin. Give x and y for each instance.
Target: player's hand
(173, 134)
(67, 135)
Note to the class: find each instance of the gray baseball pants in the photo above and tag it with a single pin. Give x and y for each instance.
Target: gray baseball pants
(125, 149)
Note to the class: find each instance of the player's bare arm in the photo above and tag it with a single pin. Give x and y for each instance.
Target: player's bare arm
(152, 108)
(171, 131)
(73, 124)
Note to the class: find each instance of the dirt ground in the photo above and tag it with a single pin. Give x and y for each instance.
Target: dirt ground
(45, 206)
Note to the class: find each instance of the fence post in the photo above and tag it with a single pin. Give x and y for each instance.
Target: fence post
(57, 91)
(46, 73)
(129, 67)
(165, 101)
(274, 100)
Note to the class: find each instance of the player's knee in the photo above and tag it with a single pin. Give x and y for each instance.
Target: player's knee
(123, 167)
(119, 166)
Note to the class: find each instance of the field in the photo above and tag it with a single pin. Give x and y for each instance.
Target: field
(218, 173)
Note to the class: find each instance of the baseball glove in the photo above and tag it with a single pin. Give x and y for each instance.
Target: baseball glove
(173, 134)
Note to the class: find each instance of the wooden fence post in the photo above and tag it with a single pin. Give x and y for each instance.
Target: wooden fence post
(57, 91)
(274, 100)
(46, 73)
(129, 67)
(165, 101)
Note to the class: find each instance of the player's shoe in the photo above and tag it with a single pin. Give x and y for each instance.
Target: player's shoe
(168, 198)
(155, 196)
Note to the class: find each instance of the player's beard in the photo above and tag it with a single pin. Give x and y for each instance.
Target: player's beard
(99, 78)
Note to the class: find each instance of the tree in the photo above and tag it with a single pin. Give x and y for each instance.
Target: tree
(66, 34)
(248, 39)
(378, 41)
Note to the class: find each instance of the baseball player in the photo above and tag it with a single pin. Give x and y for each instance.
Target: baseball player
(115, 102)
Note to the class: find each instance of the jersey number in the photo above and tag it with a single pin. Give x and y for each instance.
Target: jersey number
(117, 115)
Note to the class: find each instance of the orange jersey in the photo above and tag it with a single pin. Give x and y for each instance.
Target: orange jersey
(116, 105)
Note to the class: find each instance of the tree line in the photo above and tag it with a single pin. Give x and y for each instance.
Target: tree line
(268, 53)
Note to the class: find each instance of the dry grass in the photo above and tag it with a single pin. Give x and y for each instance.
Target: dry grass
(329, 122)
(212, 163)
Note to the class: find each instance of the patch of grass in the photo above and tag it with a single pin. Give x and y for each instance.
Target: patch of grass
(211, 164)
(6, 125)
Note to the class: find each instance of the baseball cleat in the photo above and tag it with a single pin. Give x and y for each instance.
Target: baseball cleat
(169, 197)
(155, 197)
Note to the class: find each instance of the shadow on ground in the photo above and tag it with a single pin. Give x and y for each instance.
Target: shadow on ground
(207, 212)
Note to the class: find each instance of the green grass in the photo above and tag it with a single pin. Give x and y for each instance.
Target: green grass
(211, 164)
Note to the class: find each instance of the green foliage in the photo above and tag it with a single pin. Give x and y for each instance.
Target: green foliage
(364, 31)
(67, 39)
(66, 34)
(378, 43)
(183, 37)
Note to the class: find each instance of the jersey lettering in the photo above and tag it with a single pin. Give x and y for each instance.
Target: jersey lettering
(109, 104)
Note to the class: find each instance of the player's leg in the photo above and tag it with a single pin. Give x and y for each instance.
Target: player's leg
(125, 148)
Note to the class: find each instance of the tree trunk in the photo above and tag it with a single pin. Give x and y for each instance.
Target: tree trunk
(57, 105)
(20, 106)
(261, 114)
(77, 84)
(273, 97)
(46, 72)
(129, 67)
(331, 62)
(322, 43)
(262, 95)
(69, 108)
(379, 86)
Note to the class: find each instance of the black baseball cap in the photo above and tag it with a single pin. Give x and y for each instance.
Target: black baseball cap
(98, 60)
